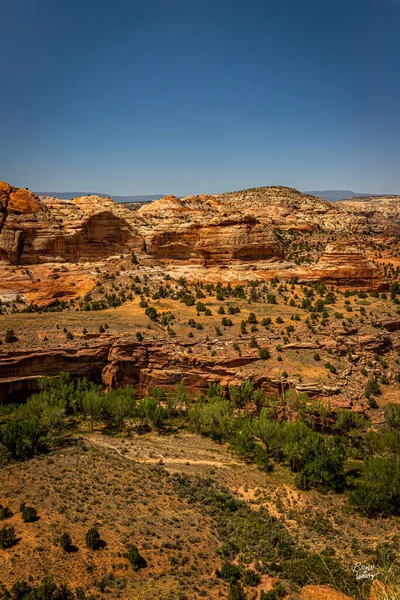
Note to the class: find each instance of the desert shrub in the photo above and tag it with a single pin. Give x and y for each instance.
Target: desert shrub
(251, 578)
(29, 514)
(10, 336)
(216, 419)
(7, 537)
(321, 464)
(5, 513)
(23, 439)
(264, 353)
(229, 572)
(255, 535)
(65, 542)
(47, 590)
(93, 539)
(276, 593)
(378, 490)
(253, 342)
(317, 569)
(151, 312)
(346, 420)
(136, 559)
(122, 405)
(242, 437)
(243, 394)
(392, 415)
(236, 592)
(372, 388)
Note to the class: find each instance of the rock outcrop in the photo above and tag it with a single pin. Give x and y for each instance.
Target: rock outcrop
(34, 231)
(231, 237)
(322, 592)
(219, 242)
(347, 267)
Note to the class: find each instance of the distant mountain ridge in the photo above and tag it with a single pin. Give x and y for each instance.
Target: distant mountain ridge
(121, 199)
(336, 195)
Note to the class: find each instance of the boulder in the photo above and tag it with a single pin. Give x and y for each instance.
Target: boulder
(322, 592)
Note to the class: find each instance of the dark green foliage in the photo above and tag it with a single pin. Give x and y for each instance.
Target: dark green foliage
(347, 420)
(7, 537)
(229, 572)
(47, 590)
(264, 353)
(93, 539)
(378, 490)
(242, 395)
(10, 336)
(137, 561)
(321, 464)
(24, 439)
(372, 388)
(29, 514)
(251, 578)
(5, 513)
(256, 535)
(236, 592)
(276, 593)
(392, 415)
(151, 312)
(66, 542)
(316, 569)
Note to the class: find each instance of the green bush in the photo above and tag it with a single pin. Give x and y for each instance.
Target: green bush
(236, 592)
(10, 336)
(321, 464)
(29, 514)
(136, 559)
(24, 439)
(378, 490)
(5, 513)
(276, 593)
(93, 539)
(372, 388)
(229, 572)
(7, 537)
(319, 569)
(47, 590)
(251, 578)
(66, 542)
(392, 415)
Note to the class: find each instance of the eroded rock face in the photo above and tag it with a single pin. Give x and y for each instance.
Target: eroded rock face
(347, 266)
(382, 213)
(238, 232)
(34, 231)
(219, 242)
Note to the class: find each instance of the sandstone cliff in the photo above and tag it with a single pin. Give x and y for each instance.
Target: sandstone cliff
(33, 231)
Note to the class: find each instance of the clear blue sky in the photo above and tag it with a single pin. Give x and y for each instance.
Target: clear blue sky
(192, 96)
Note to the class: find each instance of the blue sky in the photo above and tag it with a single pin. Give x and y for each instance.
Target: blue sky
(193, 96)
